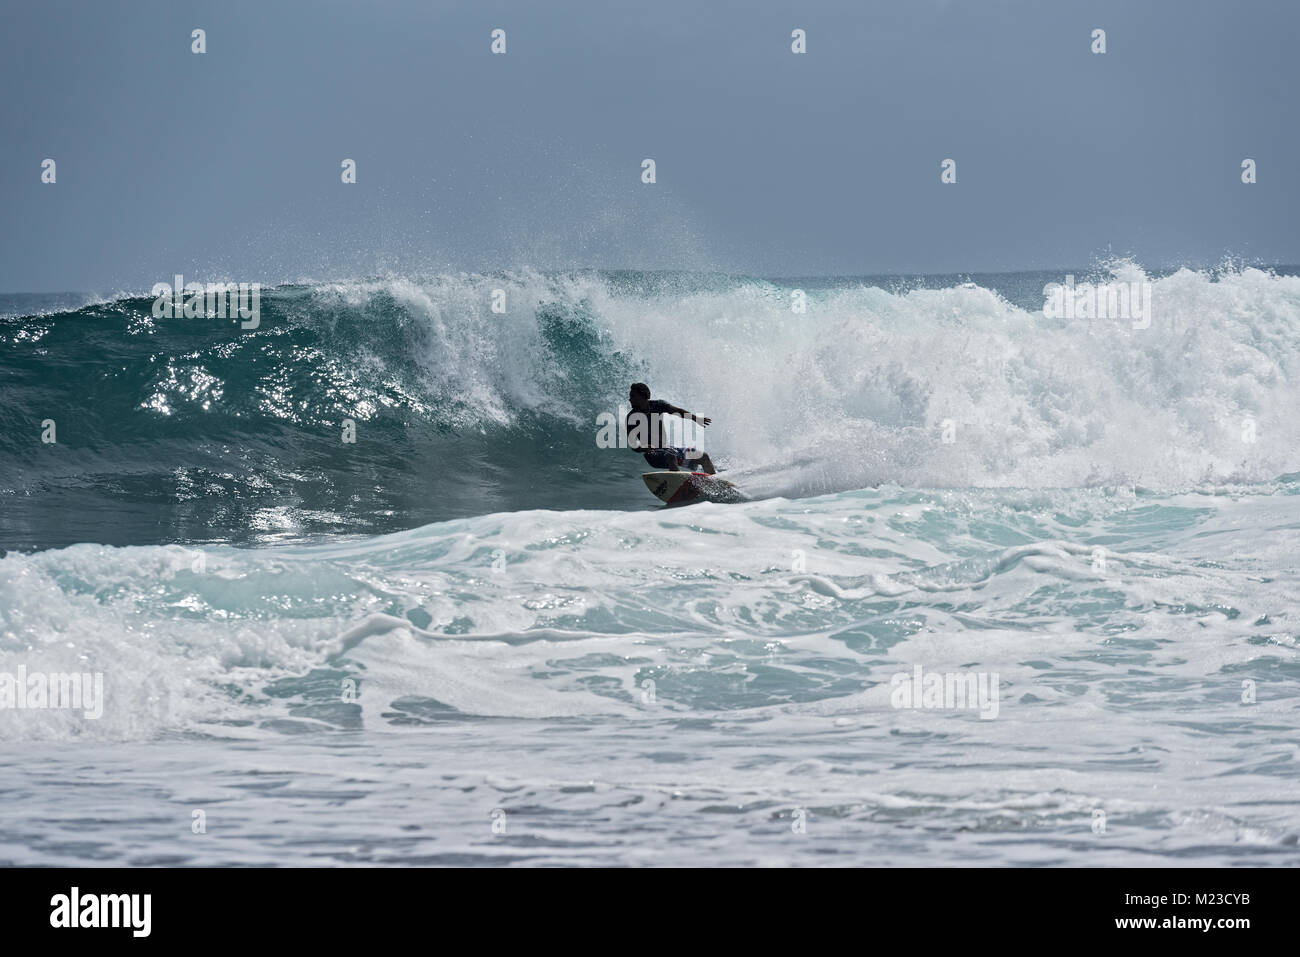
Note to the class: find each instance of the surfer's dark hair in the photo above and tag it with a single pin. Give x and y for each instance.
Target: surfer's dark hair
(639, 388)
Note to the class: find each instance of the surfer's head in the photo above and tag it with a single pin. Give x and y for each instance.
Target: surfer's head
(639, 395)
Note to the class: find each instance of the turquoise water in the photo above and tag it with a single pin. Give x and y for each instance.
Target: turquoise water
(332, 676)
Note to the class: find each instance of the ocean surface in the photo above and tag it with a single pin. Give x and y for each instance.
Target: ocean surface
(471, 636)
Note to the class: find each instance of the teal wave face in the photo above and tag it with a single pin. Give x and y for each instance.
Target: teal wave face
(196, 430)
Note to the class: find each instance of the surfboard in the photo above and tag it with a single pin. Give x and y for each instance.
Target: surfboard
(679, 488)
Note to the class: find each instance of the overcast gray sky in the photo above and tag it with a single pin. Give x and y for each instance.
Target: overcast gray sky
(227, 164)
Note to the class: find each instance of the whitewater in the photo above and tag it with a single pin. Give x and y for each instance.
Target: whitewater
(472, 637)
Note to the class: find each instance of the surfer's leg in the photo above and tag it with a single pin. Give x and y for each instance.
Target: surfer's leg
(699, 461)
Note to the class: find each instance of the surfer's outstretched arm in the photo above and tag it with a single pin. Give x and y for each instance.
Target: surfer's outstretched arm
(674, 410)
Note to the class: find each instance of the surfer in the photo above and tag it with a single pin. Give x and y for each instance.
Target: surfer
(644, 432)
